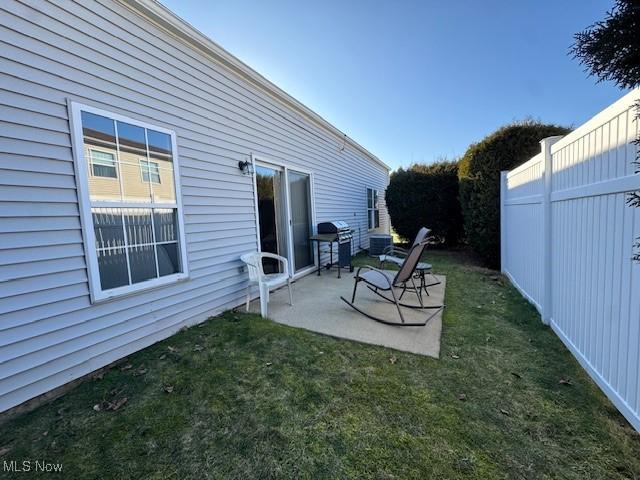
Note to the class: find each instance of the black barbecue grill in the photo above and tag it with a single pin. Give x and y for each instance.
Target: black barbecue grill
(341, 233)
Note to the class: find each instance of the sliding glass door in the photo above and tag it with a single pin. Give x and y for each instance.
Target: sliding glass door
(285, 215)
(301, 219)
(271, 194)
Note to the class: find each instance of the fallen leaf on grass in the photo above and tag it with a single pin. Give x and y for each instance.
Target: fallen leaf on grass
(128, 366)
(504, 412)
(116, 404)
(462, 397)
(393, 359)
(454, 355)
(163, 356)
(110, 406)
(168, 388)
(172, 349)
(268, 364)
(139, 371)
(198, 348)
(565, 381)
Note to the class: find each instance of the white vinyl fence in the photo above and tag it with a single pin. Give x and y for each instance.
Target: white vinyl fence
(567, 245)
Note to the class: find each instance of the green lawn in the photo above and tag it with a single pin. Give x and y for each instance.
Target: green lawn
(242, 397)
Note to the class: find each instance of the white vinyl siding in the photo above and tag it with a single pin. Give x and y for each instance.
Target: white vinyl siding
(90, 52)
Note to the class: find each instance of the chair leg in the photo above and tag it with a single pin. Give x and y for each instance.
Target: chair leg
(355, 286)
(404, 289)
(248, 296)
(418, 292)
(290, 295)
(264, 300)
(397, 302)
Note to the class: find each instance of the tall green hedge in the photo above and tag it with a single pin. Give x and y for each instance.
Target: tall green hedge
(425, 195)
(479, 173)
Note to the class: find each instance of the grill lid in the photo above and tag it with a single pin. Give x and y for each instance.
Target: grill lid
(333, 227)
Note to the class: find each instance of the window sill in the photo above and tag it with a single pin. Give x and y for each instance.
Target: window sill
(130, 290)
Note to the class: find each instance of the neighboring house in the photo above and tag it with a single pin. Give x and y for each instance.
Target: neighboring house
(123, 208)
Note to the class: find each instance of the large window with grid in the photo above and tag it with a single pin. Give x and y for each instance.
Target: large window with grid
(373, 211)
(130, 202)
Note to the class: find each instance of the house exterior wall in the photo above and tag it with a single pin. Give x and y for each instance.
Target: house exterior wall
(102, 53)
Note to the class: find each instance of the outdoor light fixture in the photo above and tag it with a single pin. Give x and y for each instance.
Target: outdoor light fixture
(246, 167)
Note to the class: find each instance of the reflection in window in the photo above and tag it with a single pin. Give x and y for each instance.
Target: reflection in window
(159, 146)
(133, 245)
(150, 171)
(107, 226)
(112, 264)
(103, 164)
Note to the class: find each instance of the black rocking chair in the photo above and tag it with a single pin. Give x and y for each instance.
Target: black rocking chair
(397, 255)
(379, 281)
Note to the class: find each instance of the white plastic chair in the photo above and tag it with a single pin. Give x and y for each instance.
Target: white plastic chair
(265, 281)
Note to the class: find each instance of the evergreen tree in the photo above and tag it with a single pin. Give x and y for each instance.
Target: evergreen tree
(610, 50)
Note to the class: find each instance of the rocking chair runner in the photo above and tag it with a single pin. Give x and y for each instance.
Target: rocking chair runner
(382, 281)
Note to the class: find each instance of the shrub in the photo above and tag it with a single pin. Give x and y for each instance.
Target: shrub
(479, 173)
(426, 195)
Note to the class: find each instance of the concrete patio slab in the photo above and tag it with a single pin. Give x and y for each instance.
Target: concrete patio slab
(317, 307)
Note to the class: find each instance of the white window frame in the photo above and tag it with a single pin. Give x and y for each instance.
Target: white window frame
(115, 163)
(371, 215)
(142, 162)
(88, 233)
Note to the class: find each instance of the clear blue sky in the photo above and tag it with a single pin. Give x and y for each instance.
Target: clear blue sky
(413, 81)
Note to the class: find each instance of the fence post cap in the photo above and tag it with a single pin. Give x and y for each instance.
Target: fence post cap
(551, 140)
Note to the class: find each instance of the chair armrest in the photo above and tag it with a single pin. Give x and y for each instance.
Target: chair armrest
(245, 259)
(395, 251)
(283, 260)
